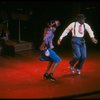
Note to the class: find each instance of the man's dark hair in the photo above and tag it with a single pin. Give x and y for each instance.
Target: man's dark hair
(80, 18)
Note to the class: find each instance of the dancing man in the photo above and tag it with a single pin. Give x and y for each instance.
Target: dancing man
(78, 42)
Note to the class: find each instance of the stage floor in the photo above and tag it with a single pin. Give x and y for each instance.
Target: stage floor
(22, 77)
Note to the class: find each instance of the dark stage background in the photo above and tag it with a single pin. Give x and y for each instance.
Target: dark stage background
(34, 15)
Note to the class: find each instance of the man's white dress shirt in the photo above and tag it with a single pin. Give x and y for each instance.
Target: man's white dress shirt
(74, 28)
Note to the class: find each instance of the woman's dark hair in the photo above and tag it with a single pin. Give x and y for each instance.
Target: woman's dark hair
(54, 23)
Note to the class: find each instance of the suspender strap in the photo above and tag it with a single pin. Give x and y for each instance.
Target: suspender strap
(75, 26)
(84, 26)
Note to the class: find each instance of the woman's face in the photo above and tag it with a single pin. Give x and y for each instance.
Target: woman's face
(53, 29)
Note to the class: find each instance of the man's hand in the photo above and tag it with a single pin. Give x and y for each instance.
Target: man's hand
(94, 40)
(59, 42)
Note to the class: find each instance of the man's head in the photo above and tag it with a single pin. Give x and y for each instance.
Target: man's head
(80, 18)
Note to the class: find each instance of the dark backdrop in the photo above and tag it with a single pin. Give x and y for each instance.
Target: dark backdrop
(40, 12)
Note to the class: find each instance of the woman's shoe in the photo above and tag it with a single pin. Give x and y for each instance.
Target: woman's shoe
(45, 76)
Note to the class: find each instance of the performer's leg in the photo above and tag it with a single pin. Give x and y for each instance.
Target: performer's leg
(82, 59)
(54, 67)
(48, 68)
(76, 56)
(56, 59)
(52, 71)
